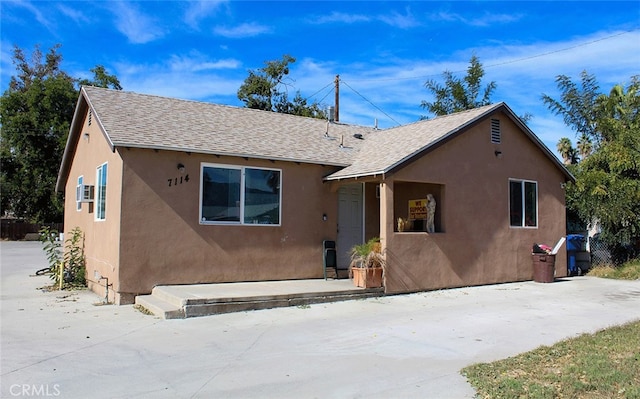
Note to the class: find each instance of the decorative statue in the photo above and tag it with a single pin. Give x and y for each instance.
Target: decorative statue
(431, 212)
(400, 225)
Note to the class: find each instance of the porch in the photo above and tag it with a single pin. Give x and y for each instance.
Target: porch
(194, 300)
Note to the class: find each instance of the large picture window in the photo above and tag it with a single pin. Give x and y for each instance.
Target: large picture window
(523, 203)
(239, 195)
(101, 192)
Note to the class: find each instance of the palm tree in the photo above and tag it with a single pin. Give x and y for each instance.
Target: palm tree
(566, 151)
(584, 146)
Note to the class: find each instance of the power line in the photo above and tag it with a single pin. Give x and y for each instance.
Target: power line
(502, 63)
(319, 91)
(367, 100)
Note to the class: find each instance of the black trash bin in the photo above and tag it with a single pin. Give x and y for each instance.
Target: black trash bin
(544, 268)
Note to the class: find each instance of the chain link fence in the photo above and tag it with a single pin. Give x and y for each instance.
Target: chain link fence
(600, 254)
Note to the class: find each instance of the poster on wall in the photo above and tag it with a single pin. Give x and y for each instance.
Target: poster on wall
(417, 209)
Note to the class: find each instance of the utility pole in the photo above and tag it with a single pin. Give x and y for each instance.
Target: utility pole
(337, 98)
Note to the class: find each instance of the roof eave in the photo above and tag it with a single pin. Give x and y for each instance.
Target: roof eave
(70, 146)
(82, 107)
(229, 154)
(353, 176)
(539, 144)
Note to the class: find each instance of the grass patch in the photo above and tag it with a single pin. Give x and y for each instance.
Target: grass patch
(628, 271)
(594, 366)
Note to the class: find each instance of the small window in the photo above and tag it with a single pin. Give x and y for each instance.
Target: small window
(79, 192)
(495, 131)
(239, 195)
(523, 203)
(101, 192)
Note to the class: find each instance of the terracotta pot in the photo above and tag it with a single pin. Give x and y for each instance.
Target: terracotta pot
(367, 277)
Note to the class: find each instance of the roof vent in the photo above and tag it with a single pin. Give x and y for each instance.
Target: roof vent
(495, 131)
(358, 136)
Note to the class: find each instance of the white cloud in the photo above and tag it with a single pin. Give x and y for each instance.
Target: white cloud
(7, 69)
(242, 30)
(36, 11)
(402, 21)
(201, 9)
(488, 19)
(340, 17)
(78, 16)
(135, 25)
(188, 76)
(395, 19)
(196, 62)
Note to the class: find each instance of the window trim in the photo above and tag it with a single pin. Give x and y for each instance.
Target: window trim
(242, 199)
(100, 209)
(524, 205)
(79, 189)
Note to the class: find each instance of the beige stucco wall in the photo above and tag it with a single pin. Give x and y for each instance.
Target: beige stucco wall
(476, 245)
(162, 241)
(101, 238)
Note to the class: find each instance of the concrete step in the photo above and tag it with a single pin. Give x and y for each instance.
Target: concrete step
(181, 301)
(170, 295)
(159, 307)
(201, 307)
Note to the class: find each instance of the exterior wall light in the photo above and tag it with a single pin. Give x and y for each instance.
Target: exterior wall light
(181, 168)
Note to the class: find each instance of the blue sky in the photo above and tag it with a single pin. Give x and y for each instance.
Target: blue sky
(383, 51)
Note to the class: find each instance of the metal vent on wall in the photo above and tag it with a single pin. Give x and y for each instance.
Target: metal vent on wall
(495, 131)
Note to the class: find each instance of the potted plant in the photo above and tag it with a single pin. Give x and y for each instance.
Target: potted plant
(367, 264)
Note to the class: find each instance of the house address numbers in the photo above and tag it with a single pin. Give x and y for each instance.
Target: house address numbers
(178, 180)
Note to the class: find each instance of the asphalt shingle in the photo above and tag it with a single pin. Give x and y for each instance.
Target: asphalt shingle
(146, 121)
(388, 148)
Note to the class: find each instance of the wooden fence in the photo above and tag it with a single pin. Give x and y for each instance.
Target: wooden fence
(15, 229)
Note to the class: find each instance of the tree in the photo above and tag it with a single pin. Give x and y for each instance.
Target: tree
(101, 78)
(607, 187)
(460, 94)
(263, 89)
(577, 105)
(584, 146)
(36, 112)
(566, 151)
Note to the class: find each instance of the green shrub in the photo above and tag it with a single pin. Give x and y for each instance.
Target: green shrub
(68, 264)
(627, 271)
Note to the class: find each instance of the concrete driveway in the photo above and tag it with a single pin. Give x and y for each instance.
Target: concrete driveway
(61, 344)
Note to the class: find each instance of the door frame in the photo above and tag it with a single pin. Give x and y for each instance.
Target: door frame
(343, 241)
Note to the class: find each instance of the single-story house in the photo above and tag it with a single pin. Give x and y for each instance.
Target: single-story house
(169, 191)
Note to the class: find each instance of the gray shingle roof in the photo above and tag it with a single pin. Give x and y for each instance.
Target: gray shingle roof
(387, 149)
(145, 121)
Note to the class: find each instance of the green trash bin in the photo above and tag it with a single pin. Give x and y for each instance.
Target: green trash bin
(544, 268)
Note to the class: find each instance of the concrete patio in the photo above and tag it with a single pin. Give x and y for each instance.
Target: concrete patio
(182, 301)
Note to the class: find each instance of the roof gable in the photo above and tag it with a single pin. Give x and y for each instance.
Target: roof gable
(389, 149)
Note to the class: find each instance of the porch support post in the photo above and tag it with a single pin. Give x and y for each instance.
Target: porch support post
(386, 213)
